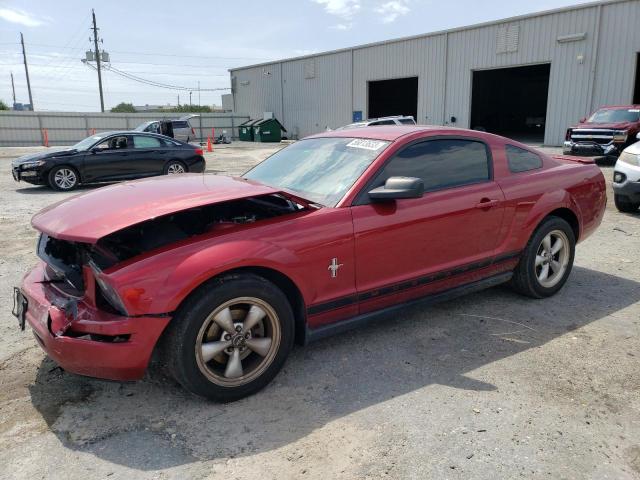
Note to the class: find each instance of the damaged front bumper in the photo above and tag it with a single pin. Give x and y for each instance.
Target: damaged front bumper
(85, 340)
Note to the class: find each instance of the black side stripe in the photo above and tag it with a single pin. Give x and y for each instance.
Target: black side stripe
(400, 287)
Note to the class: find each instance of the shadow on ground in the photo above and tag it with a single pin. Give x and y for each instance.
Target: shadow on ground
(154, 424)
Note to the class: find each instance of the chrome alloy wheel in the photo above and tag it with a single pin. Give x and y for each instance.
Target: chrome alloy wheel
(552, 258)
(238, 341)
(65, 178)
(175, 168)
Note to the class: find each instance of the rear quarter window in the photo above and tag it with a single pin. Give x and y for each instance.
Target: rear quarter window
(180, 124)
(521, 160)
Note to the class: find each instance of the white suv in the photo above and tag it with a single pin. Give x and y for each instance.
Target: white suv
(395, 120)
(626, 179)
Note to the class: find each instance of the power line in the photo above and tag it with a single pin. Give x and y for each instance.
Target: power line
(161, 54)
(154, 83)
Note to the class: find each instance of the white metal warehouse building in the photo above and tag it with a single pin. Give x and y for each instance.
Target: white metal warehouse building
(529, 76)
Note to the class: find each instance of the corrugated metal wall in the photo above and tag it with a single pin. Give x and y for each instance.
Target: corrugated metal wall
(18, 129)
(589, 71)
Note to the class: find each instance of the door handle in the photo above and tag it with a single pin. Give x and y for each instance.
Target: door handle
(487, 203)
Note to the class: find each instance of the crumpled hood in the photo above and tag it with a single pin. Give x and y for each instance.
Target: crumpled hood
(606, 126)
(41, 156)
(90, 216)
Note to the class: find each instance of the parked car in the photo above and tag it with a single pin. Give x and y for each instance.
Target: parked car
(373, 122)
(221, 275)
(179, 129)
(626, 179)
(108, 157)
(606, 132)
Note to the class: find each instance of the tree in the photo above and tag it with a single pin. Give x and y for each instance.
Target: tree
(123, 107)
(3, 106)
(188, 109)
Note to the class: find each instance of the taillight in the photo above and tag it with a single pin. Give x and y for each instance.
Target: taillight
(568, 135)
(193, 132)
(199, 151)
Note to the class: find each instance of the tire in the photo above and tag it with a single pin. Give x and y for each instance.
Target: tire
(204, 367)
(624, 205)
(63, 178)
(528, 277)
(175, 167)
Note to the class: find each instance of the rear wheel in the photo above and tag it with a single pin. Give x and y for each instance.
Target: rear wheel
(174, 167)
(230, 338)
(624, 205)
(63, 178)
(547, 259)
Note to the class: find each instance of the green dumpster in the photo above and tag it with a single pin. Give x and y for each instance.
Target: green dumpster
(245, 130)
(268, 130)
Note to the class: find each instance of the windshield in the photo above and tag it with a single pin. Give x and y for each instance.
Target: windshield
(318, 169)
(144, 127)
(614, 116)
(87, 142)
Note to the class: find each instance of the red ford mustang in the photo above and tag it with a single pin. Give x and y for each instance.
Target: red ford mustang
(219, 276)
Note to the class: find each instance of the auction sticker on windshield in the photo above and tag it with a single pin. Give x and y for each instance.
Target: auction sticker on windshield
(366, 144)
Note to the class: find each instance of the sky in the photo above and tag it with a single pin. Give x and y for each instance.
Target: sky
(183, 43)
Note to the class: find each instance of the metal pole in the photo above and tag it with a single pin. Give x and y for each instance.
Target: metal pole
(95, 43)
(13, 88)
(190, 99)
(198, 92)
(26, 70)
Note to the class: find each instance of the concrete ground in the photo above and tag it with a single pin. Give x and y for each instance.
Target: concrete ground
(492, 385)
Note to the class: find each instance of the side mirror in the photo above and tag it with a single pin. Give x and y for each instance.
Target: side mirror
(583, 119)
(398, 187)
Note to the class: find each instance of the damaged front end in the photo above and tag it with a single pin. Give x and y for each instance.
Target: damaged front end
(75, 308)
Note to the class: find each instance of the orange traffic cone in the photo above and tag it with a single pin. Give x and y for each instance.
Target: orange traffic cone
(209, 146)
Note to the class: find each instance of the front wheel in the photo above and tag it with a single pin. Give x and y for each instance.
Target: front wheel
(547, 259)
(174, 167)
(230, 338)
(63, 178)
(624, 205)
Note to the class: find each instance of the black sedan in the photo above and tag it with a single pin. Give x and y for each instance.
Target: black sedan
(109, 157)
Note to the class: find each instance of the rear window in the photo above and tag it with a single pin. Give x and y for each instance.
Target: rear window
(521, 160)
(180, 124)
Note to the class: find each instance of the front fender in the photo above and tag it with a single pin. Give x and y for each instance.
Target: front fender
(161, 282)
(208, 263)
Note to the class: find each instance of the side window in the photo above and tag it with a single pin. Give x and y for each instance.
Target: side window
(140, 141)
(407, 121)
(521, 160)
(382, 122)
(112, 143)
(440, 163)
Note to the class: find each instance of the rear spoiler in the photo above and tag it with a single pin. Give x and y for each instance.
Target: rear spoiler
(571, 158)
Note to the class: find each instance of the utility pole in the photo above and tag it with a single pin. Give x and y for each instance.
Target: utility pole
(26, 71)
(13, 88)
(97, 52)
(198, 92)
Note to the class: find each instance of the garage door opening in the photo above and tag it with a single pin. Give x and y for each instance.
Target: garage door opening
(511, 101)
(393, 97)
(636, 90)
